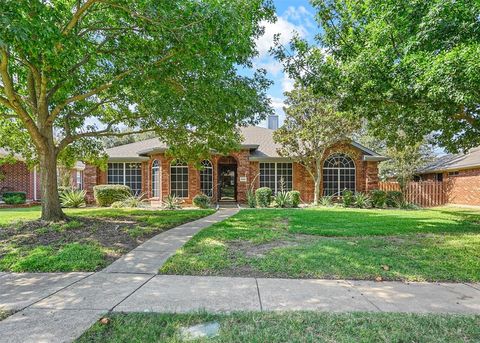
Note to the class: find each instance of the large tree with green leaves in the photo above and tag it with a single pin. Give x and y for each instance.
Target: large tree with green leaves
(411, 67)
(74, 71)
(312, 125)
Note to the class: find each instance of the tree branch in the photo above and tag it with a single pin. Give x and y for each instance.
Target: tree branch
(77, 16)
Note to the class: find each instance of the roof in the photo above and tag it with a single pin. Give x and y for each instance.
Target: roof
(257, 139)
(454, 162)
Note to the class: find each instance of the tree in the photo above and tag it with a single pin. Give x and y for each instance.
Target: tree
(403, 64)
(312, 125)
(75, 71)
(405, 161)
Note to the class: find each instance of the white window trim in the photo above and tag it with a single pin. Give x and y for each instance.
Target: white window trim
(276, 173)
(338, 170)
(159, 167)
(212, 178)
(188, 179)
(125, 175)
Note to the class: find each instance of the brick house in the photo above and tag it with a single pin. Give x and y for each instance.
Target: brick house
(17, 176)
(460, 174)
(146, 169)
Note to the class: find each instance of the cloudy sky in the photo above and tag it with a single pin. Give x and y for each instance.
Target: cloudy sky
(292, 16)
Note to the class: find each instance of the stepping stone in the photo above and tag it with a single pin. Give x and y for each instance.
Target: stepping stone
(206, 330)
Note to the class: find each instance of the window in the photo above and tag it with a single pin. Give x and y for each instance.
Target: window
(439, 177)
(454, 173)
(276, 176)
(126, 173)
(206, 178)
(338, 174)
(79, 179)
(179, 180)
(155, 179)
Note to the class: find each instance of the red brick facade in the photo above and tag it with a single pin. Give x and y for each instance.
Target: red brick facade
(247, 175)
(462, 186)
(19, 178)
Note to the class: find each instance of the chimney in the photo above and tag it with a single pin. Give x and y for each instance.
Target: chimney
(273, 122)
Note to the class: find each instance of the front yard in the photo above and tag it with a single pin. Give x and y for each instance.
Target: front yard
(92, 239)
(290, 327)
(440, 244)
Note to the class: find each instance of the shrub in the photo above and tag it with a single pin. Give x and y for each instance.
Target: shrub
(409, 206)
(105, 195)
(263, 196)
(294, 198)
(326, 200)
(72, 198)
(14, 198)
(394, 199)
(62, 189)
(361, 200)
(251, 201)
(282, 199)
(201, 201)
(130, 201)
(348, 198)
(378, 198)
(171, 202)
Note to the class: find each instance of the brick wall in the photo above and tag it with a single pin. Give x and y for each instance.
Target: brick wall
(464, 188)
(366, 175)
(17, 177)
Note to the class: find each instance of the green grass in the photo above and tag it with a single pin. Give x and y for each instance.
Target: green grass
(89, 241)
(290, 327)
(425, 245)
(4, 314)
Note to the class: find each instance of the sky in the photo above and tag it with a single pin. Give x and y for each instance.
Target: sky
(292, 16)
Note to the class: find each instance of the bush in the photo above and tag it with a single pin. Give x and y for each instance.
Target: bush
(378, 198)
(130, 201)
(72, 198)
(361, 200)
(171, 202)
(62, 189)
(106, 195)
(282, 199)
(251, 201)
(348, 198)
(263, 196)
(326, 200)
(294, 198)
(14, 198)
(201, 201)
(394, 199)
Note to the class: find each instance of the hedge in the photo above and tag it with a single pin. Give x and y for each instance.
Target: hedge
(14, 198)
(106, 195)
(201, 201)
(294, 198)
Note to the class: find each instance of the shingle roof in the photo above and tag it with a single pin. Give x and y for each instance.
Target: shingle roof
(454, 161)
(259, 139)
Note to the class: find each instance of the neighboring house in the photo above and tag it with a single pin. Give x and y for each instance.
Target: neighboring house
(460, 174)
(18, 177)
(146, 169)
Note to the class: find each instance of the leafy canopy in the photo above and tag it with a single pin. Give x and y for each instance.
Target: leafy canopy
(411, 67)
(73, 71)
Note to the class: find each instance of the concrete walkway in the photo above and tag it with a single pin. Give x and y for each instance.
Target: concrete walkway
(59, 307)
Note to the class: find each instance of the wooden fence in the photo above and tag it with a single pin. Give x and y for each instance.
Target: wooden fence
(422, 193)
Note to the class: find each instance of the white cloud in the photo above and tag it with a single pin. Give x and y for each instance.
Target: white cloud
(287, 83)
(277, 103)
(282, 26)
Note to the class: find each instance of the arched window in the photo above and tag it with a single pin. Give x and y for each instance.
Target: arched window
(206, 178)
(338, 174)
(179, 179)
(156, 179)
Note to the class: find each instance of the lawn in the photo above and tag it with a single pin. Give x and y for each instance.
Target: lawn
(290, 327)
(424, 245)
(89, 241)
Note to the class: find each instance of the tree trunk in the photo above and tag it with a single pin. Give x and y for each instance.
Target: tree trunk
(51, 208)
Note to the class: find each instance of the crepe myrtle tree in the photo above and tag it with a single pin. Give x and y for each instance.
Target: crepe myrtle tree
(312, 125)
(75, 71)
(412, 65)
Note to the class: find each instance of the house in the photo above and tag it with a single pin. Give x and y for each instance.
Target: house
(15, 175)
(145, 167)
(460, 174)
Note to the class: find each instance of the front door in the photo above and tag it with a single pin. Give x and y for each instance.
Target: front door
(227, 182)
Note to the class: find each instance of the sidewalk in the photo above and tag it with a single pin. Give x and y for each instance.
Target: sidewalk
(60, 307)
